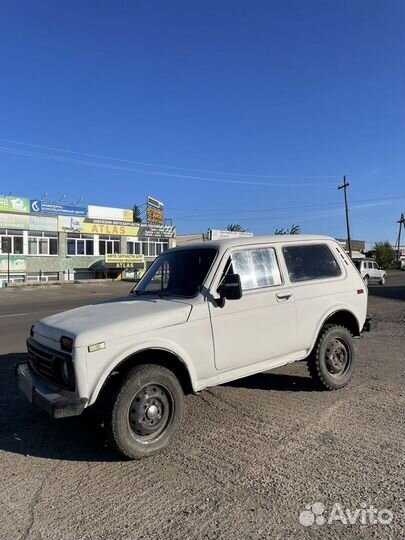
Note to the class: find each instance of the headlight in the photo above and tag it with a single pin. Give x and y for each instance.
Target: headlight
(64, 371)
(66, 343)
(66, 374)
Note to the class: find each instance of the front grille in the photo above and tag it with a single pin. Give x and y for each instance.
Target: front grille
(46, 362)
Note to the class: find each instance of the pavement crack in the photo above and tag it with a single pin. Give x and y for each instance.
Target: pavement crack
(34, 503)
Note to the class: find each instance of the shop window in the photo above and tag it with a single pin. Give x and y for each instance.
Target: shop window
(11, 241)
(80, 244)
(42, 243)
(134, 248)
(109, 244)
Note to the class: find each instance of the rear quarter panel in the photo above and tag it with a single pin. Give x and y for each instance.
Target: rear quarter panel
(316, 300)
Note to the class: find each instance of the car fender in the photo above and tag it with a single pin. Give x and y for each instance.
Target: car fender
(158, 344)
(331, 311)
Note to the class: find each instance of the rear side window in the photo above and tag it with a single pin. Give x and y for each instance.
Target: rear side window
(310, 262)
(357, 264)
(257, 268)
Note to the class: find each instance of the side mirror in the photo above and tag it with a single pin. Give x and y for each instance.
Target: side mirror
(231, 287)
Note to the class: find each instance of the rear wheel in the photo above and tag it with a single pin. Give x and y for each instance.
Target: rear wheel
(146, 413)
(382, 280)
(332, 362)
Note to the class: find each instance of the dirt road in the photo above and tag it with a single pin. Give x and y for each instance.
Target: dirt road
(250, 457)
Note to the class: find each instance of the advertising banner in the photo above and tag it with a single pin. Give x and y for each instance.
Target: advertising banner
(123, 259)
(154, 203)
(157, 231)
(57, 209)
(15, 204)
(17, 264)
(14, 221)
(42, 223)
(154, 216)
(93, 226)
(215, 234)
(110, 214)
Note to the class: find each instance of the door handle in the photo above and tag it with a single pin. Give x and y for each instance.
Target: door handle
(284, 295)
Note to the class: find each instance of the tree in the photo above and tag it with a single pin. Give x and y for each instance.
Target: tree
(295, 229)
(235, 227)
(136, 214)
(384, 254)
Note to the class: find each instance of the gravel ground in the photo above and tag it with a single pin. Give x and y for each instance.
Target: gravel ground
(250, 458)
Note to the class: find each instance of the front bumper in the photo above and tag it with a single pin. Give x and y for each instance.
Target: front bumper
(37, 391)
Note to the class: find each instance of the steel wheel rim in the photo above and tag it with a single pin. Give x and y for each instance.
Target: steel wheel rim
(338, 357)
(151, 411)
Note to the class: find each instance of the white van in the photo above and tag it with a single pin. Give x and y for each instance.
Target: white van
(202, 315)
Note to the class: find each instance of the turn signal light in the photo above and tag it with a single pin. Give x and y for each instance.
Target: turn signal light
(66, 343)
(96, 346)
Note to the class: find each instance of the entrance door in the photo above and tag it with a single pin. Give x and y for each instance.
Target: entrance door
(262, 324)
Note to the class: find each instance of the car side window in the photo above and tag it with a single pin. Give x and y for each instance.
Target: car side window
(257, 268)
(309, 262)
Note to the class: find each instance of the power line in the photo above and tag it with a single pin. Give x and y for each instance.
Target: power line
(27, 153)
(276, 209)
(147, 164)
(237, 217)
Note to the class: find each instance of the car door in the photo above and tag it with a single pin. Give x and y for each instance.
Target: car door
(261, 325)
(376, 272)
(373, 271)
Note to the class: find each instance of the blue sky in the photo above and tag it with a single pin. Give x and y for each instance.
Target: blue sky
(227, 111)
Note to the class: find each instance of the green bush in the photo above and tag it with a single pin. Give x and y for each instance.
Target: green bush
(385, 255)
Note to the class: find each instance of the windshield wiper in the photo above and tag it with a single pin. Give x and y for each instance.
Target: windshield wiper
(146, 293)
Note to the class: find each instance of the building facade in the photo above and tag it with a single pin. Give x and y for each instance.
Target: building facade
(41, 241)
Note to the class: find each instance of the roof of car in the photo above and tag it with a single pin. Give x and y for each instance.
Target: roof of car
(252, 240)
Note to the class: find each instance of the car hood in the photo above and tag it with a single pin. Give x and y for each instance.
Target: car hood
(113, 319)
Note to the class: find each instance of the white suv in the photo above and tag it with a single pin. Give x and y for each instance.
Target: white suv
(202, 315)
(370, 271)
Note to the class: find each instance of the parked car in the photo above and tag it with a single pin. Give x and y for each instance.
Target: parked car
(202, 315)
(370, 271)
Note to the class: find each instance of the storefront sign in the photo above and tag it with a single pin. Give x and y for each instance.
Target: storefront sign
(110, 214)
(214, 234)
(57, 209)
(157, 231)
(15, 204)
(42, 223)
(92, 226)
(154, 203)
(14, 221)
(123, 259)
(154, 216)
(17, 264)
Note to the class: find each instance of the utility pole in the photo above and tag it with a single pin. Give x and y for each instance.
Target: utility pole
(344, 186)
(401, 222)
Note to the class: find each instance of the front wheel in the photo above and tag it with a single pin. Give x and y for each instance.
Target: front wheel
(146, 413)
(366, 280)
(332, 362)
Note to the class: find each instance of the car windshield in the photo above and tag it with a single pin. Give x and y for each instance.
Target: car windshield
(357, 264)
(177, 273)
